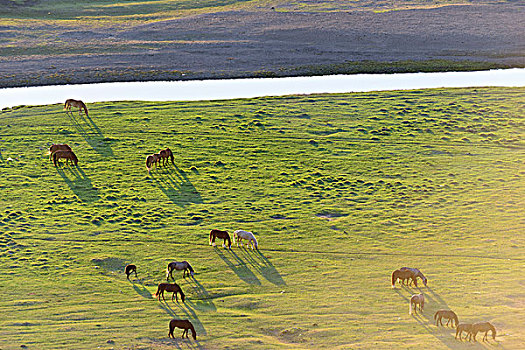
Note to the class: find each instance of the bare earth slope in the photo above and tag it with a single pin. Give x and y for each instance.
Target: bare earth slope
(254, 42)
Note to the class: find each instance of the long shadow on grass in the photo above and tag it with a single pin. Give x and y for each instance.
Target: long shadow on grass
(79, 183)
(203, 300)
(184, 311)
(261, 264)
(91, 133)
(425, 318)
(141, 289)
(240, 268)
(176, 186)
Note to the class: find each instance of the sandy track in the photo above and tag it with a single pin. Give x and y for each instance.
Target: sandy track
(240, 43)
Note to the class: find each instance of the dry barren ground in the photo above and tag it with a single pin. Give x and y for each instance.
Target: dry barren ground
(252, 39)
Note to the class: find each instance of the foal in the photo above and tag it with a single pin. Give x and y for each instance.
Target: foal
(220, 234)
(129, 269)
(448, 314)
(175, 288)
(183, 324)
(416, 299)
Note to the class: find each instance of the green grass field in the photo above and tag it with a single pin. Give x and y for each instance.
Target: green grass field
(339, 189)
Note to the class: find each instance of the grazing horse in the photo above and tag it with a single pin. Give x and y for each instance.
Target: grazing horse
(165, 154)
(403, 275)
(75, 103)
(129, 269)
(467, 327)
(239, 235)
(182, 324)
(416, 299)
(58, 147)
(175, 288)
(152, 159)
(67, 155)
(448, 314)
(483, 327)
(175, 265)
(220, 234)
(417, 273)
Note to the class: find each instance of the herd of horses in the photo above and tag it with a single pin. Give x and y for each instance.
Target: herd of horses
(188, 271)
(405, 275)
(408, 276)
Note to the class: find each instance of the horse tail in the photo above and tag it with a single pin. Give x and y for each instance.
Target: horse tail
(435, 315)
(172, 158)
(394, 278)
(158, 292)
(211, 237)
(55, 158)
(66, 104)
(147, 163)
(229, 241)
(167, 272)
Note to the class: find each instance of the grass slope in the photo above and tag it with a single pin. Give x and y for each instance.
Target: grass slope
(339, 189)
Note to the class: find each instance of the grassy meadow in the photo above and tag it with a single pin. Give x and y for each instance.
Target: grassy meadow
(339, 189)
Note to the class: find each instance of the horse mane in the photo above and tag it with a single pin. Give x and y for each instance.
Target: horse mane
(255, 241)
(193, 333)
(189, 266)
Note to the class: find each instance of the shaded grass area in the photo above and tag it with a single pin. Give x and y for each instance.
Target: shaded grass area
(339, 189)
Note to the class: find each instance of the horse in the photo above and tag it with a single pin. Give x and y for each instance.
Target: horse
(467, 327)
(182, 324)
(75, 103)
(175, 288)
(403, 275)
(417, 274)
(129, 269)
(483, 327)
(239, 235)
(448, 314)
(175, 265)
(67, 155)
(58, 147)
(220, 234)
(416, 299)
(165, 154)
(152, 159)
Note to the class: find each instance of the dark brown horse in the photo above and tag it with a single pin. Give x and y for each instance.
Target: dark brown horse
(166, 154)
(220, 234)
(182, 324)
(172, 288)
(152, 159)
(129, 269)
(75, 103)
(67, 155)
(58, 147)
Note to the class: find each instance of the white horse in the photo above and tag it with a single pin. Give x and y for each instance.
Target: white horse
(417, 273)
(416, 299)
(239, 235)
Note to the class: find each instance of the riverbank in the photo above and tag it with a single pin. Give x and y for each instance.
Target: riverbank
(246, 42)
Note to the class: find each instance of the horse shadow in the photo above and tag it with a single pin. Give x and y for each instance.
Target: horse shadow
(177, 187)
(91, 133)
(262, 265)
(79, 183)
(204, 299)
(141, 289)
(185, 310)
(240, 268)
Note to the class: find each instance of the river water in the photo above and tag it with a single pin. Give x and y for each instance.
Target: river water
(247, 88)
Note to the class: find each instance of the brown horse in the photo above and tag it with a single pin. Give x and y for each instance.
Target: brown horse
(463, 327)
(182, 324)
(152, 159)
(58, 147)
(182, 265)
(67, 155)
(220, 234)
(417, 274)
(129, 269)
(175, 288)
(483, 327)
(75, 103)
(166, 154)
(416, 299)
(448, 314)
(403, 275)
